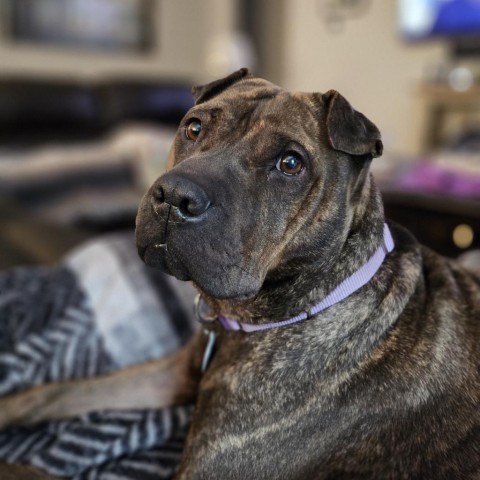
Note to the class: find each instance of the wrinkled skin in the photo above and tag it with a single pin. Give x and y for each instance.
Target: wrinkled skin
(384, 384)
(262, 224)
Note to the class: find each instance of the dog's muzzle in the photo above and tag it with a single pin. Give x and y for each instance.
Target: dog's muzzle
(184, 228)
(168, 220)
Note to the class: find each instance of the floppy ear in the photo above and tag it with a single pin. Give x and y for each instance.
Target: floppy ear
(348, 130)
(202, 93)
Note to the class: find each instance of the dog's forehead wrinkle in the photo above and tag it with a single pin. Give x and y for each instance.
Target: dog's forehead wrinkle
(299, 126)
(204, 109)
(243, 95)
(261, 119)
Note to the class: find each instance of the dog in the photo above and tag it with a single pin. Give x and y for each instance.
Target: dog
(343, 348)
(333, 346)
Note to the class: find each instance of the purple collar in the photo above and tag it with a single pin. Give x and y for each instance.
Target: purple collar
(350, 285)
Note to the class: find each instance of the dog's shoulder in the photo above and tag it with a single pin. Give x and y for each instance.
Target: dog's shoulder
(451, 282)
(446, 295)
(437, 271)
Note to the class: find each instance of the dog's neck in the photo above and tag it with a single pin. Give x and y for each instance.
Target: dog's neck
(364, 234)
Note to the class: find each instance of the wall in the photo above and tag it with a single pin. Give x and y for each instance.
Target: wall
(367, 63)
(184, 29)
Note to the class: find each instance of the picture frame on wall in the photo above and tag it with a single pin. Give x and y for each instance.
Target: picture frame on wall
(102, 25)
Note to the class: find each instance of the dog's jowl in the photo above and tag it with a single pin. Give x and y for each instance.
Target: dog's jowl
(344, 349)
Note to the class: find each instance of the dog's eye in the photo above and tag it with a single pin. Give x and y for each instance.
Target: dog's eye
(290, 163)
(193, 129)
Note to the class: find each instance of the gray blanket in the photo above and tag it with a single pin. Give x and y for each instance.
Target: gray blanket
(98, 311)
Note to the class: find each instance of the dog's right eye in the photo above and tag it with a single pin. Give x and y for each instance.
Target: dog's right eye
(290, 164)
(193, 129)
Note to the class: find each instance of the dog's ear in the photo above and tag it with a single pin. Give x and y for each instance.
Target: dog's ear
(202, 93)
(348, 130)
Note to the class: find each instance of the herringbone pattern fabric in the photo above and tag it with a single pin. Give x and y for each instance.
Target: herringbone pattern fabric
(46, 329)
(100, 311)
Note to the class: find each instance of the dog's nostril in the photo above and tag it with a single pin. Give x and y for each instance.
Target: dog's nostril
(193, 207)
(158, 194)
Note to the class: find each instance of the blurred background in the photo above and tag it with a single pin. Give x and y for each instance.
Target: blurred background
(91, 91)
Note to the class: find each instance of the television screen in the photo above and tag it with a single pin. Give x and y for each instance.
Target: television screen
(422, 19)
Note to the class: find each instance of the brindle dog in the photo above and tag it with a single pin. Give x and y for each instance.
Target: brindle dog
(268, 208)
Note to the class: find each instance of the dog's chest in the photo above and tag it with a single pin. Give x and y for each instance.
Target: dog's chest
(279, 405)
(258, 401)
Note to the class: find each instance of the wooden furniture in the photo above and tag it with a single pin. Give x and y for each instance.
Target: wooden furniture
(444, 112)
(448, 225)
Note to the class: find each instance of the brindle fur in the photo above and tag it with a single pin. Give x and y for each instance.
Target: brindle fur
(383, 385)
(155, 384)
(19, 472)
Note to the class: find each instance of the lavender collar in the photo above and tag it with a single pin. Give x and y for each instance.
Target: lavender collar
(350, 285)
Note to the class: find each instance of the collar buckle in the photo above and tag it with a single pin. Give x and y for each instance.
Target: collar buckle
(203, 312)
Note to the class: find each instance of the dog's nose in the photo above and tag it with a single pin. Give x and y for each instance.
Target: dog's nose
(188, 197)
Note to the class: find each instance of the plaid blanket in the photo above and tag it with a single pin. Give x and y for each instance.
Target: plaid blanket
(98, 311)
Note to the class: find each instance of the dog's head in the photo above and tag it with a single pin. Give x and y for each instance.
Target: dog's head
(261, 178)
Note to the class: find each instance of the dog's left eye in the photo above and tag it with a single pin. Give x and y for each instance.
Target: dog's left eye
(193, 129)
(290, 163)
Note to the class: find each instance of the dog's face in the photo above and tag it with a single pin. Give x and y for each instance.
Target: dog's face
(261, 177)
